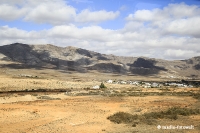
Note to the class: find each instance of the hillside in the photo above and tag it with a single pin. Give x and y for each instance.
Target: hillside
(81, 60)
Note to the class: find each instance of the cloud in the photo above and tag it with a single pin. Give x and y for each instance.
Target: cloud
(172, 11)
(9, 13)
(12, 2)
(90, 33)
(168, 33)
(52, 12)
(10, 35)
(189, 26)
(86, 16)
(83, 1)
(118, 42)
(173, 30)
(141, 15)
(180, 19)
(177, 54)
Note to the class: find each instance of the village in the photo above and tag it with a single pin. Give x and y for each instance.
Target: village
(151, 84)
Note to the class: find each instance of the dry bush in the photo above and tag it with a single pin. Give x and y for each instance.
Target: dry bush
(122, 117)
(150, 118)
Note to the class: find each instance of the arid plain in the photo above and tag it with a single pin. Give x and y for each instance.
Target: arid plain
(27, 103)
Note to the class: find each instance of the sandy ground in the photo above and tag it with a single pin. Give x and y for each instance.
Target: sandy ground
(13, 79)
(12, 84)
(26, 113)
(86, 114)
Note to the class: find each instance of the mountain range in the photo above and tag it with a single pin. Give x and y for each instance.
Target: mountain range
(83, 61)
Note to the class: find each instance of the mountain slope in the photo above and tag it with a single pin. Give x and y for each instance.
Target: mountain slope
(81, 60)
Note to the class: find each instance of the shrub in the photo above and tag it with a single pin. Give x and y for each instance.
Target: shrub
(88, 88)
(150, 118)
(102, 85)
(196, 96)
(177, 110)
(122, 117)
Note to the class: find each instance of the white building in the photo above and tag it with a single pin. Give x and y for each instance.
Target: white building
(155, 85)
(123, 82)
(110, 81)
(96, 87)
(135, 83)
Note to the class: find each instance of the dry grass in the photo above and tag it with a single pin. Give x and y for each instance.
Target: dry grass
(148, 118)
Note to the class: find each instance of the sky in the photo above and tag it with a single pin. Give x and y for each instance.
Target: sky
(164, 29)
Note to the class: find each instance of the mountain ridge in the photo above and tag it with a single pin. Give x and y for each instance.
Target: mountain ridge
(81, 60)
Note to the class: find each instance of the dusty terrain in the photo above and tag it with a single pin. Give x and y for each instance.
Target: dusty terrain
(84, 114)
(83, 110)
(17, 79)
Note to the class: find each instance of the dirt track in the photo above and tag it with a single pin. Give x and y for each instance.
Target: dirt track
(83, 114)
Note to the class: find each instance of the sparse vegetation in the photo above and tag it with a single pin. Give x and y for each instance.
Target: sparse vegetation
(48, 98)
(123, 117)
(150, 118)
(25, 92)
(87, 88)
(196, 96)
(102, 86)
(163, 93)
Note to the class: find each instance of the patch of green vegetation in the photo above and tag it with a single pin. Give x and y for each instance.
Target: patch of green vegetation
(150, 118)
(122, 117)
(94, 93)
(48, 98)
(88, 88)
(163, 93)
(117, 95)
(34, 94)
(102, 86)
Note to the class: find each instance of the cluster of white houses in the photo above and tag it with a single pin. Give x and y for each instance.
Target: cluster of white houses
(148, 84)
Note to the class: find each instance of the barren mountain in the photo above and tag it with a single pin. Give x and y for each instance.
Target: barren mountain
(81, 60)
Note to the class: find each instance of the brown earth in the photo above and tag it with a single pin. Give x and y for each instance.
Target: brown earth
(42, 112)
(87, 114)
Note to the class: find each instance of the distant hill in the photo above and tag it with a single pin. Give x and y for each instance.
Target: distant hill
(81, 60)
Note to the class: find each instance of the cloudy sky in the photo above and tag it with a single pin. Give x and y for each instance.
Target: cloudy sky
(166, 29)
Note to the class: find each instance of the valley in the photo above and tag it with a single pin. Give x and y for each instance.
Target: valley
(52, 92)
